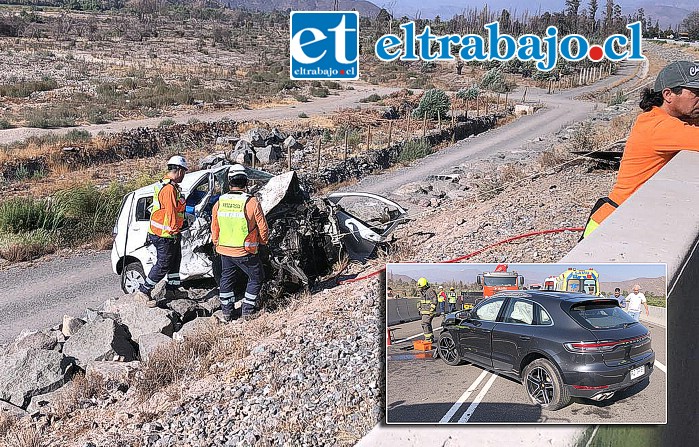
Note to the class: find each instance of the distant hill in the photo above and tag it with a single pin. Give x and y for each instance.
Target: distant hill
(654, 285)
(365, 8)
(393, 278)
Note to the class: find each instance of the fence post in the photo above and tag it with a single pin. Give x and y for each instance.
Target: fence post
(439, 120)
(320, 144)
(368, 138)
(497, 107)
(424, 125)
(289, 152)
(390, 132)
(346, 146)
(506, 96)
(407, 129)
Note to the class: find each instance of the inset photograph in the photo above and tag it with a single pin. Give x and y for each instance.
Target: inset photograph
(526, 343)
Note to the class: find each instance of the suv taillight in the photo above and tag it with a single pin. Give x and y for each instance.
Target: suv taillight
(582, 347)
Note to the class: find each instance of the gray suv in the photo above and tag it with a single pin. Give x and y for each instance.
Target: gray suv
(559, 345)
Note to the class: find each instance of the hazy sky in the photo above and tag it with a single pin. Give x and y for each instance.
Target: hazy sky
(533, 273)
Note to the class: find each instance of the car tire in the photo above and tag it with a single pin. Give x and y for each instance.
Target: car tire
(544, 385)
(132, 277)
(447, 351)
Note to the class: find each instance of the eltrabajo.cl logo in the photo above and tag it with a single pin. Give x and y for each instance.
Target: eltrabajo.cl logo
(324, 45)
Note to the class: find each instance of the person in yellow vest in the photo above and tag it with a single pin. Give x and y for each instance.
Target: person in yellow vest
(426, 305)
(166, 222)
(452, 299)
(238, 228)
(441, 298)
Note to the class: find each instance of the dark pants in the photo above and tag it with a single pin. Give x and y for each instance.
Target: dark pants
(452, 307)
(252, 267)
(169, 258)
(441, 307)
(427, 327)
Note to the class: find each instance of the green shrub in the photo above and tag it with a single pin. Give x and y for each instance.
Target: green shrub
(372, 98)
(166, 122)
(495, 81)
(618, 98)
(55, 116)
(24, 89)
(76, 136)
(320, 92)
(468, 94)
(413, 150)
(333, 85)
(433, 103)
(28, 245)
(303, 115)
(5, 124)
(20, 215)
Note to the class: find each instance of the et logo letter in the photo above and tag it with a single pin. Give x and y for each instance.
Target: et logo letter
(324, 45)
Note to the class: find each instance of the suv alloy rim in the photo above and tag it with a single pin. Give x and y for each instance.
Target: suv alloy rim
(540, 385)
(447, 349)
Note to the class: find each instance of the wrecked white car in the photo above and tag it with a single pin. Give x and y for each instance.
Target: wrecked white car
(307, 236)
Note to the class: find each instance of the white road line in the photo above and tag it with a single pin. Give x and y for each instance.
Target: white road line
(661, 367)
(594, 432)
(472, 408)
(414, 336)
(454, 408)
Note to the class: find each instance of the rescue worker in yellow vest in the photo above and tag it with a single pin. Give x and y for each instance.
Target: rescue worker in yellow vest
(452, 299)
(238, 228)
(166, 222)
(426, 305)
(441, 298)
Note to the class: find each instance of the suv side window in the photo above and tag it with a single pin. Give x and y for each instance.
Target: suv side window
(489, 310)
(519, 311)
(143, 208)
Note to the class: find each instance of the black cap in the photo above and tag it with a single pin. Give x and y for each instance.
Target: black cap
(678, 74)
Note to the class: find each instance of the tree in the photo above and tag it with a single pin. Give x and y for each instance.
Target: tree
(592, 15)
(691, 25)
(434, 103)
(608, 16)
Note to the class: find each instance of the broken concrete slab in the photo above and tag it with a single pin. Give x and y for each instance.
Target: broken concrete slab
(32, 372)
(140, 319)
(102, 339)
(71, 325)
(291, 143)
(211, 305)
(193, 327)
(278, 135)
(33, 339)
(258, 136)
(186, 309)
(42, 403)
(113, 373)
(149, 343)
(212, 160)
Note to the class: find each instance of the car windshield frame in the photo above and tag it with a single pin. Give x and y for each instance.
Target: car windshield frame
(583, 312)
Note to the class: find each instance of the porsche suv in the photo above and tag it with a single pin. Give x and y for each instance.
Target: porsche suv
(559, 345)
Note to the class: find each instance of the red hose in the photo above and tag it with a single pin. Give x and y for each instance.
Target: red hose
(472, 254)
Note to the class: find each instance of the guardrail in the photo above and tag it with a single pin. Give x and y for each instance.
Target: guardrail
(404, 310)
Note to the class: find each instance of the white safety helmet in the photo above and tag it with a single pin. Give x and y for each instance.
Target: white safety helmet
(178, 160)
(236, 170)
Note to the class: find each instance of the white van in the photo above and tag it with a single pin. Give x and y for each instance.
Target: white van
(306, 236)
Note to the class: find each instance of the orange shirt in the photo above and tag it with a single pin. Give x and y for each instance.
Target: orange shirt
(257, 226)
(655, 138)
(170, 209)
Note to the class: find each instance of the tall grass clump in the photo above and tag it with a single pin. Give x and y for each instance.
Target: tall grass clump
(434, 103)
(413, 150)
(20, 215)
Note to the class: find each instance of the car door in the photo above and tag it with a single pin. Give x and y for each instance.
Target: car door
(475, 333)
(517, 334)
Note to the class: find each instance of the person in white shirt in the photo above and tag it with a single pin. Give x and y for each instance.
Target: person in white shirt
(634, 301)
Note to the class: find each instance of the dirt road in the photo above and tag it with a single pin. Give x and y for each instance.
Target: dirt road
(39, 295)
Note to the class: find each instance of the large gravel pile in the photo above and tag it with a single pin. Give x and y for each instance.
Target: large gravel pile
(313, 378)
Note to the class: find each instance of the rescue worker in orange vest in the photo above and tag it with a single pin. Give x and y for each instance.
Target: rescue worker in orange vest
(426, 305)
(238, 228)
(166, 222)
(667, 126)
(441, 298)
(452, 300)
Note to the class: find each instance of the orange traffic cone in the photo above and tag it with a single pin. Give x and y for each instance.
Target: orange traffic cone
(388, 337)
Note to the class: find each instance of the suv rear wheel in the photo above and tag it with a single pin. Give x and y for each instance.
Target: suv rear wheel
(132, 277)
(544, 385)
(447, 350)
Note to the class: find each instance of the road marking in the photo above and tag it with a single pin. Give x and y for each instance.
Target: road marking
(471, 408)
(660, 366)
(414, 336)
(454, 408)
(594, 432)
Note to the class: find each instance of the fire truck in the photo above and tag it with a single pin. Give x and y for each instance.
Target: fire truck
(500, 279)
(573, 280)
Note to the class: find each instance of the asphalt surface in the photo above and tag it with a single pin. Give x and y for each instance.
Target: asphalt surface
(36, 296)
(428, 390)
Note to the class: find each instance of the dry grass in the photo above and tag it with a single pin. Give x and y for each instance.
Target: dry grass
(6, 423)
(71, 396)
(23, 435)
(193, 357)
(553, 158)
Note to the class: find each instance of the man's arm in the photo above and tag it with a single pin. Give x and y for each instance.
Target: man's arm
(215, 229)
(261, 223)
(672, 135)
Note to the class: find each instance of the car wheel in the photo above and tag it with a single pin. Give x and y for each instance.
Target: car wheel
(447, 350)
(544, 385)
(132, 277)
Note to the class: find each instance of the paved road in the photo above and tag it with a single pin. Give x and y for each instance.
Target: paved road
(37, 296)
(426, 390)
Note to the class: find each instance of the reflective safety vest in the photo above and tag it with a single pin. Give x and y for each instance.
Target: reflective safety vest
(452, 297)
(441, 296)
(426, 307)
(160, 224)
(233, 223)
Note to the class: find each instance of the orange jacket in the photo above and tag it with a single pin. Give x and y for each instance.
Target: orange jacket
(257, 227)
(168, 220)
(655, 138)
